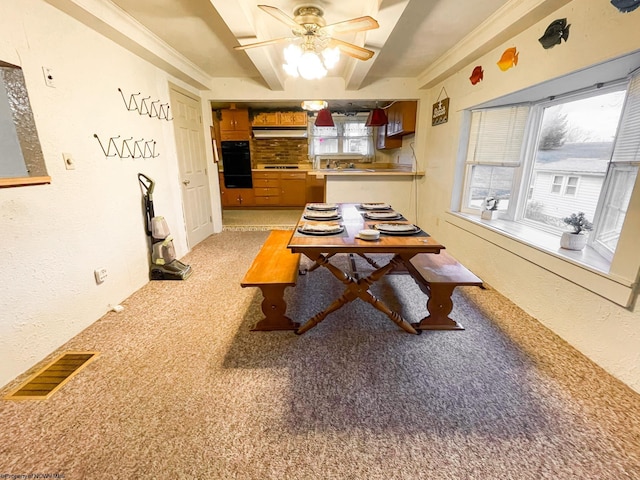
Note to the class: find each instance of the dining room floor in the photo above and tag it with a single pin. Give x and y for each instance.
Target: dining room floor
(260, 219)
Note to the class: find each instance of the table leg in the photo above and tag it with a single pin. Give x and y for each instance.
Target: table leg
(439, 305)
(357, 289)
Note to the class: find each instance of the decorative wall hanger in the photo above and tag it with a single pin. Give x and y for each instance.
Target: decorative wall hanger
(440, 109)
(477, 75)
(508, 59)
(625, 6)
(152, 110)
(140, 149)
(557, 31)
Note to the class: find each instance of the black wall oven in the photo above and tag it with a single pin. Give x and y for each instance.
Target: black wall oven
(236, 162)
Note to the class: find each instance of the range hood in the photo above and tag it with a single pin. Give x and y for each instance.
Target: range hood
(283, 132)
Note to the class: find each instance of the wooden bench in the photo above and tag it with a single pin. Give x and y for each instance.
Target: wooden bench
(438, 275)
(274, 269)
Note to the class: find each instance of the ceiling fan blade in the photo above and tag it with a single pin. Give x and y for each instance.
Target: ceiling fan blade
(352, 50)
(280, 15)
(262, 44)
(359, 24)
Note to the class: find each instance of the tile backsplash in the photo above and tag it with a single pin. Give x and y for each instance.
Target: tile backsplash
(279, 150)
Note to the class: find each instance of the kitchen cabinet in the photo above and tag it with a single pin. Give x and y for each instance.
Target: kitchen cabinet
(402, 119)
(280, 119)
(283, 189)
(315, 189)
(235, 197)
(234, 124)
(293, 187)
(293, 119)
(265, 119)
(385, 143)
(266, 188)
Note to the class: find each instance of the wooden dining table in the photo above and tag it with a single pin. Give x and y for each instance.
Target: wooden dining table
(321, 247)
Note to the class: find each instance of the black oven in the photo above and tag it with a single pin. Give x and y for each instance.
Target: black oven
(236, 162)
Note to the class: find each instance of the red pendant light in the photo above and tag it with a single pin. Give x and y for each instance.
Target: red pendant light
(324, 118)
(377, 118)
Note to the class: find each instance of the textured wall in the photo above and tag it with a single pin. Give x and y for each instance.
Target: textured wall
(54, 236)
(605, 332)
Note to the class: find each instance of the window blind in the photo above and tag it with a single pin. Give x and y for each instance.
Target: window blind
(496, 135)
(627, 146)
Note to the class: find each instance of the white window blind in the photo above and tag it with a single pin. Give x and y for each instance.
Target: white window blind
(496, 135)
(627, 147)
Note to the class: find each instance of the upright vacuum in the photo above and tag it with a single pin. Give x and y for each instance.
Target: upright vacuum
(164, 265)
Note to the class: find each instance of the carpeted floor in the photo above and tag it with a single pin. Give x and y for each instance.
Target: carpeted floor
(183, 390)
(260, 219)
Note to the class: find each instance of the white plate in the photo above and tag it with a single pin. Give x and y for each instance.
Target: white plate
(322, 213)
(320, 229)
(375, 206)
(384, 215)
(322, 206)
(397, 228)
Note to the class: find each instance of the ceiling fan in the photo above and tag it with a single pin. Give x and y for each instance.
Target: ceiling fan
(309, 26)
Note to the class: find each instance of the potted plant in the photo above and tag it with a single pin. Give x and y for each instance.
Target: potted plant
(576, 240)
(490, 208)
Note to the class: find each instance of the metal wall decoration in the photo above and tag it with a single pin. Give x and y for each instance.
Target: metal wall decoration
(440, 110)
(153, 109)
(129, 148)
(508, 59)
(557, 31)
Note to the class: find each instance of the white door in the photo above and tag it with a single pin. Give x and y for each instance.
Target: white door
(192, 162)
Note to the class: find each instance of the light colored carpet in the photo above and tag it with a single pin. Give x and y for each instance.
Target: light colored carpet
(260, 219)
(183, 390)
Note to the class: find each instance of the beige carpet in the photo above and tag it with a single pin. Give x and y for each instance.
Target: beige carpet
(260, 219)
(183, 390)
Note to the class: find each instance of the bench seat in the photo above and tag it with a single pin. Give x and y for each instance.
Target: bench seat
(438, 275)
(274, 269)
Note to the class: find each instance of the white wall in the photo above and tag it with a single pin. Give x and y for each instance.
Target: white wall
(605, 332)
(54, 236)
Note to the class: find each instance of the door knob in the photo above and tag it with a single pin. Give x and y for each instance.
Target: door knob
(186, 182)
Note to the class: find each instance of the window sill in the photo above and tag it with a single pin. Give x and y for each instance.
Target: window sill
(585, 268)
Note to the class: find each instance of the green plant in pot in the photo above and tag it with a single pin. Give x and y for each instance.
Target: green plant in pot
(576, 240)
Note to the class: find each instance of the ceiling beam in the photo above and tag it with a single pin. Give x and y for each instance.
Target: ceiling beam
(238, 17)
(388, 13)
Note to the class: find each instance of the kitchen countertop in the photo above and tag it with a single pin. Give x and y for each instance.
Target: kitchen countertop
(367, 169)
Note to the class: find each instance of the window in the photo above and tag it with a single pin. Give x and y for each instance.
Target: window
(348, 136)
(22, 162)
(546, 160)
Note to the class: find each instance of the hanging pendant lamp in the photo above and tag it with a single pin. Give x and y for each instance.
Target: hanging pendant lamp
(324, 118)
(377, 118)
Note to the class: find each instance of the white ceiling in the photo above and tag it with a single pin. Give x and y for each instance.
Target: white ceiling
(412, 34)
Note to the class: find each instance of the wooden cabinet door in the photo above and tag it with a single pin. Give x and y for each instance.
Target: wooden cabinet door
(293, 119)
(265, 119)
(315, 189)
(234, 124)
(293, 189)
(402, 118)
(239, 197)
(385, 143)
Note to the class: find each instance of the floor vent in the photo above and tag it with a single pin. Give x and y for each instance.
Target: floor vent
(44, 383)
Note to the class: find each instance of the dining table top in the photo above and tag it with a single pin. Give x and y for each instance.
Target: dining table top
(351, 216)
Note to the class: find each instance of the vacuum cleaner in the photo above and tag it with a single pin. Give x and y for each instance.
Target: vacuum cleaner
(164, 265)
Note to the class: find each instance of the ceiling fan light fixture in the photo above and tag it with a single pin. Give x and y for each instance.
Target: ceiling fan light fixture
(377, 118)
(324, 118)
(313, 105)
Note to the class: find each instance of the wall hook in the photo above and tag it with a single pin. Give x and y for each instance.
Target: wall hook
(109, 144)
(152, 152)
(153, 113)
(132, 100)
(144, 108)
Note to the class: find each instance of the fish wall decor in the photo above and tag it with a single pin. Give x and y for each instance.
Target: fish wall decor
(557, 31)
(626, 6)
(508, 59)
(477, 75)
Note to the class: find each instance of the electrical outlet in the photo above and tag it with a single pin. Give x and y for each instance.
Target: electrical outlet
(69, 164)
(100, 274)
(48, 77)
